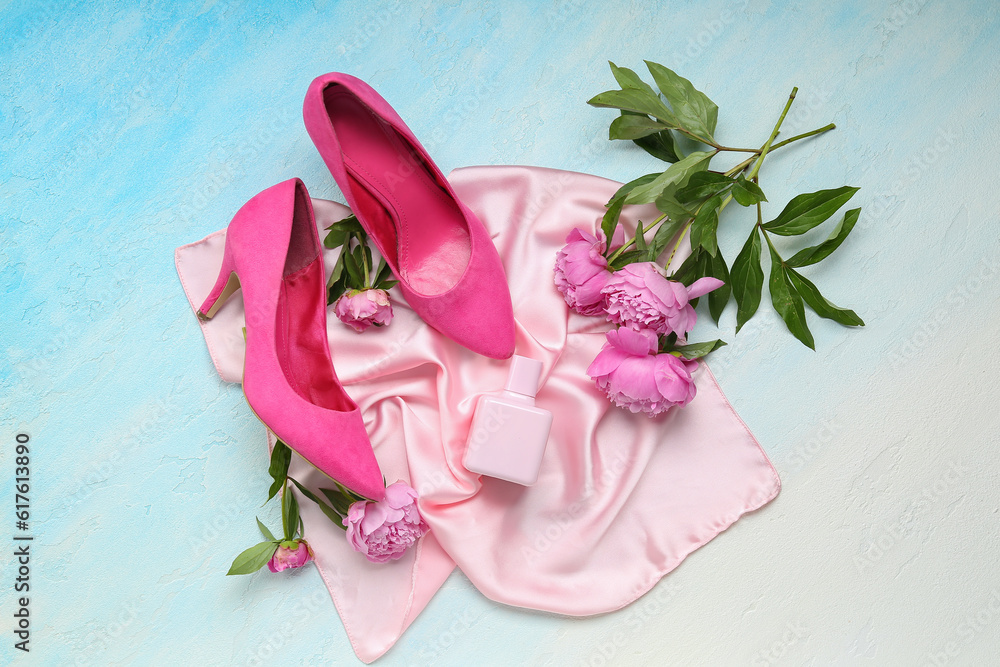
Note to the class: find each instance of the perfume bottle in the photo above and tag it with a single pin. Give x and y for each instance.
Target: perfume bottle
(509, 432)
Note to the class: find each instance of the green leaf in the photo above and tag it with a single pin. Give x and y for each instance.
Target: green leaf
(306, 492)
(338, 270)
(704, 184)
(617, 201)
(334, 238)
(667, 203)
(330, 512)
(747, 279)
(626, 78)
(384, 272)
(387, 284)
(290, 512)
(337, 284)
(705, 225)
(676, 174)
(253, 559)
(355, 276)
(659, 145)
(628, 258)
(281, 456)
(698, 350)
(816, 253)
(747, 193)
(664, 233)
(610, 220)
(818, 303)
(640, 240)
(692, 268)
(788, 303)
(348, 224)
(808, 210)
(621, 192)
(334, 291)
(338, 232)
(339, 501)
(633, 99)
(264, 531)
(719, 297)
(695, 112)
(360, 257)
(347, 493)
(630, 126)
(368, 258)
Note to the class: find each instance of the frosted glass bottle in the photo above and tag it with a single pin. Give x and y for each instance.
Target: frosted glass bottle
(509, 431)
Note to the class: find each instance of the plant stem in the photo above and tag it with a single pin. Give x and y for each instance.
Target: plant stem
(364, 263)
(687, 228)
(774, 133)
(617, 253)
(742, 165)
(737, 150)
(756, 159)
(695, 137)
(284, 499)
(747, 162)
(760, 226)
(825, 128)
(725, 202)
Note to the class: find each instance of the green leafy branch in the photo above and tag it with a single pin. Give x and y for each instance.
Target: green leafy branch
(691, 197)
(669, 344)
(338, 502)
(353, 269)
(257, 556)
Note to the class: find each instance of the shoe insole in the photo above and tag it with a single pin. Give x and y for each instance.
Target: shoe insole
(303, 350)
(416, 222)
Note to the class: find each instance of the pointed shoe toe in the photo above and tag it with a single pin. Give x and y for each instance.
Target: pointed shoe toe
(274, 255)
(447, 266)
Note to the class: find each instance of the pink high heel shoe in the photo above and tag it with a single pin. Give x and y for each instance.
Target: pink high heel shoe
(273, 252)
(448, 269)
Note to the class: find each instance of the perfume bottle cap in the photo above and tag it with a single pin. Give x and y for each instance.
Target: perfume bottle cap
(523, 376)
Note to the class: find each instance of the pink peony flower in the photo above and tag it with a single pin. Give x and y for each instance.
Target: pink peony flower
(640, 297)
(289, 555)
(384, 530)
(359, 309)
(634, 376)
(581, 270)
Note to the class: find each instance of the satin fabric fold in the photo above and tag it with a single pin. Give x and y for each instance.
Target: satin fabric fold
(621, 499)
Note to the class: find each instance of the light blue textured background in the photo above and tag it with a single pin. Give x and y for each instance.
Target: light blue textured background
(129, 129)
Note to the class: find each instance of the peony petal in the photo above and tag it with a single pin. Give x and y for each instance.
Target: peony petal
(635, 378)
(682, 321)
(399, 494)
(635, 342)
(660, 287)
(577, 273)
(590, 291)
(703, 286)
(577, 235)
(673, 379)
(606, 361)
(374, 518)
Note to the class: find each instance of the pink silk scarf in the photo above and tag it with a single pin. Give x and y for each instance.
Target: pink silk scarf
(621, 499)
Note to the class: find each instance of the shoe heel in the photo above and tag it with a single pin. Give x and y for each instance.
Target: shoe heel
(225, 286)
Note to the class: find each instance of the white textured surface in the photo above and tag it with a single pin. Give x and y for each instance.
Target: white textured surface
(128, 131)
